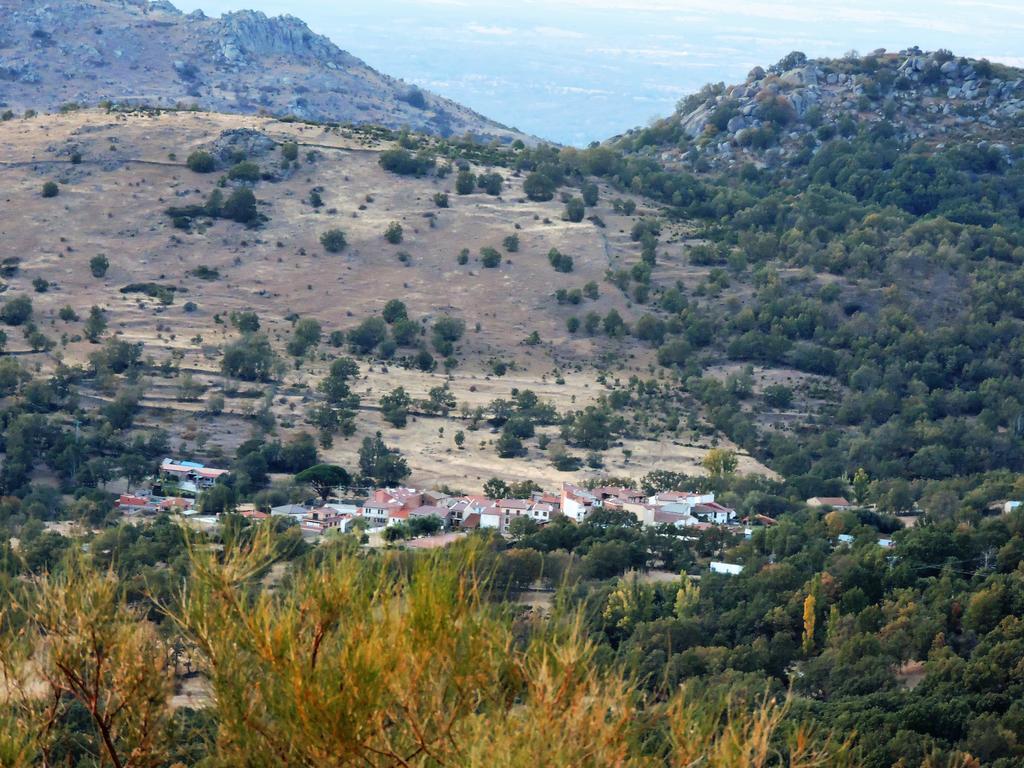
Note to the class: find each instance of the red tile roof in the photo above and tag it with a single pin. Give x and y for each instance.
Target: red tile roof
(128, 500)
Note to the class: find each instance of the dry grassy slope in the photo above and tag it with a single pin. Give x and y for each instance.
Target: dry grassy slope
(114, 201)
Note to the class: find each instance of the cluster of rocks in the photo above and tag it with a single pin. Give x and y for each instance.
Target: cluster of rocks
(247, 35)
(236, 144)
(134, 52)
(924, 95)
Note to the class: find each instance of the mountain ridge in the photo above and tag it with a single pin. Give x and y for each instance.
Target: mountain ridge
(798, 104)
(151, 53)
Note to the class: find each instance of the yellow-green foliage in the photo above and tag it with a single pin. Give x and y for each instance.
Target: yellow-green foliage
(355, 659)
(73, 640)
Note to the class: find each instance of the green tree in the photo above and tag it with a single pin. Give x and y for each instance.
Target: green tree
(490, 257)
(393, 311)
(324, 478)
(246, 322)
(241, 206)
(394, 233)
(12, 376)
(539, 187)
(521, 526)
(290, 151)
(719, 462)
(95, 324)
(861, 485)
(495, 488)
(394, 406)
(465, 183)
(98, 265)
(201, 161)
(245, 171)
(491, 183)
(306, 335)
(560, 261)
(778, 396)
(250, 358)
(365, 337)
(508, 445)
(16, 311)
(380, 463)
(335, 385)
(334, 241)
(50, 189)
(613, 323)
(439, 400)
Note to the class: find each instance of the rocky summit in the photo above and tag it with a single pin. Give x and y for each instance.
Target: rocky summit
(799, 104)
(136, 52)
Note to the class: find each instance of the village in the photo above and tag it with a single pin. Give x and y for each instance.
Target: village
(180, 484)
(425, 519)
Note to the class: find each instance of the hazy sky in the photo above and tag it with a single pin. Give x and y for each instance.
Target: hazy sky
(576, 71)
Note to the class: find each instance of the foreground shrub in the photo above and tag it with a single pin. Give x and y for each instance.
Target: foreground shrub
(354, 659)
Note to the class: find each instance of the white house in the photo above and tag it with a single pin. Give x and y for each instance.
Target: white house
(680, 497)
(190, 476)
(713, 512)
(577, 503)
(493, 518)
(729, 569)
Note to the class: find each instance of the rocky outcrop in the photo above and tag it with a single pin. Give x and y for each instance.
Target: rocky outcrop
(137, 52)
(241, 143)
(251, 34)
(799, 104)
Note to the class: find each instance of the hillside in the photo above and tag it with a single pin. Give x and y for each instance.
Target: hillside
(131, 168)
(799, 103)
(878, 246)
(815, 317)
(132, 53)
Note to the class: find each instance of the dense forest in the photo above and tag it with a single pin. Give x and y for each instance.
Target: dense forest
(888, 265)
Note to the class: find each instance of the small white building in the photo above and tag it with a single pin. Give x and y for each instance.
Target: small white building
(492, 517)
(294, 511)
(578, 503)
(729, 569)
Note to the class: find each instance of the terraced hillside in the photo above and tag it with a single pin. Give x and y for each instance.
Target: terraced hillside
(118, 174)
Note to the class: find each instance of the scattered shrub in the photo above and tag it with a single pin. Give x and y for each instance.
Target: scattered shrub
(98, 265)
(490, 257)
(201, 161)
(560, 261)
(334, 241)
(394, 233)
